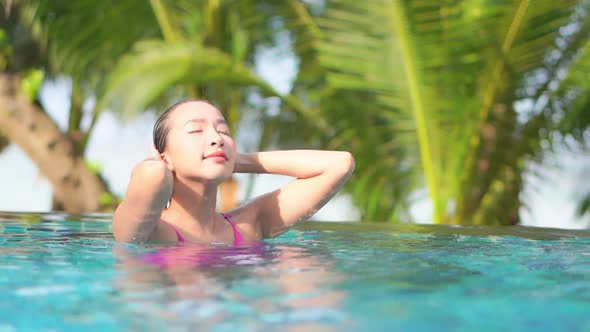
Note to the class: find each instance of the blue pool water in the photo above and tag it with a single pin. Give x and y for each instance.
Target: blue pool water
(62, 273)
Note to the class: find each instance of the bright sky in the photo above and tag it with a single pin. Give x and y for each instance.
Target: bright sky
(118, 147)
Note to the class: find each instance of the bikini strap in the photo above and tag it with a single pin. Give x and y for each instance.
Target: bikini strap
(180, 237)
(227, 216)
(237, 235)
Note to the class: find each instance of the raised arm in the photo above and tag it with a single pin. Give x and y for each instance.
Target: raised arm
(319, 176)
(147, 193)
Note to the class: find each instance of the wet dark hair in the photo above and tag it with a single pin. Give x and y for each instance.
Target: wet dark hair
(161, 127)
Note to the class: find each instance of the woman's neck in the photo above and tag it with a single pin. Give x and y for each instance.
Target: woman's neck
(194, 203)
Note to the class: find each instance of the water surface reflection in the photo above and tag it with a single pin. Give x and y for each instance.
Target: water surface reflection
(257, 285)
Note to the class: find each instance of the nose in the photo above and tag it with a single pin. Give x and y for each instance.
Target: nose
(215, 138)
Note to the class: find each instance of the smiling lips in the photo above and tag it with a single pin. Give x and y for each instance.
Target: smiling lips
(217, 155)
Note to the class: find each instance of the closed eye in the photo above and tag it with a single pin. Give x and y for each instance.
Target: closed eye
(196, 131)
(224, 131)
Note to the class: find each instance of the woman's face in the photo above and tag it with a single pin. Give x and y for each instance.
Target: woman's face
(199, 146)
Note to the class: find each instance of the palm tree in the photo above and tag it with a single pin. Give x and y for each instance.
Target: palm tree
(5, 51)
(24, 121)
(572, 101)
(453, 96)
(207, 50)
(136, 55)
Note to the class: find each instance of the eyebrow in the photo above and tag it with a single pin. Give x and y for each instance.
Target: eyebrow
(202, 120)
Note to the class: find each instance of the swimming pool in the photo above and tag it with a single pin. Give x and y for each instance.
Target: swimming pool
(60, 273)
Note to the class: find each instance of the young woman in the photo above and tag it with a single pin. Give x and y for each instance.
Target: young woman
(172, 196)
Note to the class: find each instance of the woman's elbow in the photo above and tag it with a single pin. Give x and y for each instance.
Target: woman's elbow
(121, 232)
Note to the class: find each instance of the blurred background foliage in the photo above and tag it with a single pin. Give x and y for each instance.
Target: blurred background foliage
(450, 100)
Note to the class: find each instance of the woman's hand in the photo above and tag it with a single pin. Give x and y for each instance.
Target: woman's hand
(155, 158)
(154, 154)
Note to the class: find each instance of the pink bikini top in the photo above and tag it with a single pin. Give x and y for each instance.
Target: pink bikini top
(191, 255)
(227, 216)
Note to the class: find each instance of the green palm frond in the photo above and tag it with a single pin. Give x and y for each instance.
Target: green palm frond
(502, 178)
(572, 102)
(525, 35)
(442, 78)
(154, 67)
(584, 206)
(573, 98)
(85, 38)
(19, 49)
(375, 47)
(89, 38)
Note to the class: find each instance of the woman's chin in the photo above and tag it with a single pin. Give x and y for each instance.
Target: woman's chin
(211, 178)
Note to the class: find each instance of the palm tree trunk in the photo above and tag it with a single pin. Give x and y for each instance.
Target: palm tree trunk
(4, 142)
(228, 194)
(75, 186)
